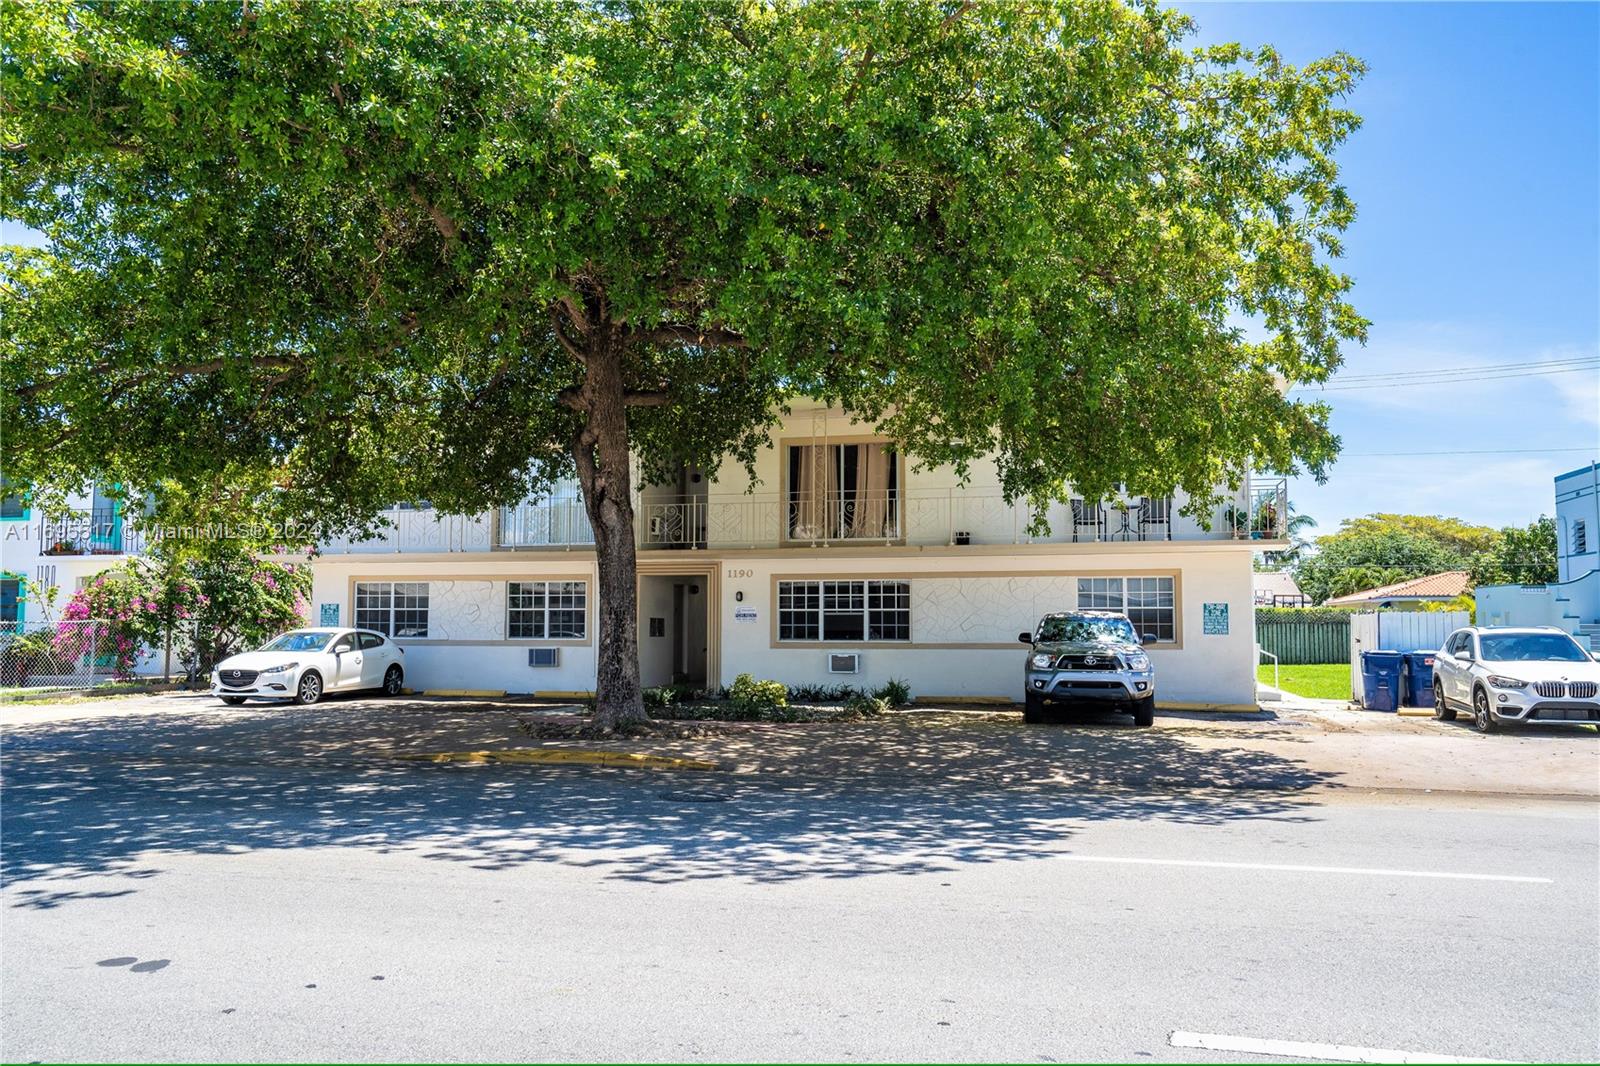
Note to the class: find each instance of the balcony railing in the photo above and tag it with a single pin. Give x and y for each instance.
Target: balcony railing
(552, 522)
(919, 517)
(94, 532)
(419, 530)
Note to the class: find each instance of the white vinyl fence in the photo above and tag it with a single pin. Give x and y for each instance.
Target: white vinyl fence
(1398, 631)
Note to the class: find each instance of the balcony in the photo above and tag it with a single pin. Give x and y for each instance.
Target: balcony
(418, 530)
(551, 522)
(918, 517)
(94, 532)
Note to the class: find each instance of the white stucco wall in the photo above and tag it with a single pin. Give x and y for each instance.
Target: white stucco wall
(466, 647)
(986, 600)
(967, 607)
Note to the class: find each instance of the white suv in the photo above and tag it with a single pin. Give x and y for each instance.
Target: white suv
(1540, 676)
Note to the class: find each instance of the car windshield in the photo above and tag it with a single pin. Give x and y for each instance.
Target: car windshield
(299, 642)
(1531, 647)
(1086, 630)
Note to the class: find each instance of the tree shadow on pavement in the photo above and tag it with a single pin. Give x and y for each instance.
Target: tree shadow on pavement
(92, 807)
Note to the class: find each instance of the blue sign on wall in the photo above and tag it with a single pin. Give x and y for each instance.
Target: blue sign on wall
(1214, 618)
(330, 614)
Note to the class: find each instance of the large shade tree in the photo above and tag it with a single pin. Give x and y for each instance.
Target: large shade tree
(453, 252)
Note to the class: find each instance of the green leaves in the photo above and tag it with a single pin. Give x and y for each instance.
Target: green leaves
(333, 242)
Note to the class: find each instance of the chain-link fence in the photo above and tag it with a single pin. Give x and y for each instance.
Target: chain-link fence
(77, 654)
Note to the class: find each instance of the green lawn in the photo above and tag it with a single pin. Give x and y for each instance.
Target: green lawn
(1321, 681)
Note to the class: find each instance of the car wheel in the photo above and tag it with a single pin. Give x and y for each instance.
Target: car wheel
(233, 701)
(1144, 712)
(1482, 717)
(1033, 709)
(393, 681)
(310, 690)
(1441, 706)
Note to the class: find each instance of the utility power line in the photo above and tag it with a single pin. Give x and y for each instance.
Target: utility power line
(1458, 380)
(1473, 368)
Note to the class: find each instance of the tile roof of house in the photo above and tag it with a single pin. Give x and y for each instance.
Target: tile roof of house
(1445, 586)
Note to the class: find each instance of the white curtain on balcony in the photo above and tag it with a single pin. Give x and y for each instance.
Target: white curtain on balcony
(867, 507)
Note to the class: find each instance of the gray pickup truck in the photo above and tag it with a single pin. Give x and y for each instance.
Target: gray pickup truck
(1087, 657)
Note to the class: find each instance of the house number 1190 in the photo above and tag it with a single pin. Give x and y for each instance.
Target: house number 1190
(732, 572)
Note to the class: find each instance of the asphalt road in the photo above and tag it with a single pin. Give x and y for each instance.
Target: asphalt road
(198, 901)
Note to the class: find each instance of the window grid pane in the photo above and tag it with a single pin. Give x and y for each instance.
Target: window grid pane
(410, 609)
(373, 603)
(568, 609)
(525, 610)
(799, 607)
(889, 610)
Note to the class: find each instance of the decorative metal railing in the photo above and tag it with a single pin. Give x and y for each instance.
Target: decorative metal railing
(927, 517)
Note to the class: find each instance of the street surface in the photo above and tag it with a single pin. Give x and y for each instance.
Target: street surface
(187, 881)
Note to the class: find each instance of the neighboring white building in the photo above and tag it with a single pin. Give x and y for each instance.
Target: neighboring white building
(1573, 603)
(843, 563)
(38, 552)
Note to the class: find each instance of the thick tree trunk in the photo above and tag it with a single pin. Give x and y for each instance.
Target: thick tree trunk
(601, 452)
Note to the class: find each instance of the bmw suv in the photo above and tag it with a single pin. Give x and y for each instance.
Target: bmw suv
(1534, 676)
(1088, 657)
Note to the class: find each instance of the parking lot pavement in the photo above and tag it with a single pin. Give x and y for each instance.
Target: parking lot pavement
(1294, 747)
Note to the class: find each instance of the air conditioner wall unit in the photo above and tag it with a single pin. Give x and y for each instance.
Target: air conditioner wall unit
(544, 657)
(844, 662)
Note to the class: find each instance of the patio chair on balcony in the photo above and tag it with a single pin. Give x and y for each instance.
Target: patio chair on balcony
(1088, 516)
(1155, 518)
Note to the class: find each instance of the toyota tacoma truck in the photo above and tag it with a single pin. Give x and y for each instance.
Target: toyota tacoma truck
(1087, 658)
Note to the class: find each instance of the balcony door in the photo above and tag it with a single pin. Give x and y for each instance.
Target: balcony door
(843, 491)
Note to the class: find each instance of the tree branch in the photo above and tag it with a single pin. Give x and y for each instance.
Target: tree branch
(447, 227)
(674, 333)
(645, 399)
(572, 347)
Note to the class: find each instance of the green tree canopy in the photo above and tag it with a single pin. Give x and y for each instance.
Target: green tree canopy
(1346, 563)
(1453, 534)
(1525, 556)
(406, 251)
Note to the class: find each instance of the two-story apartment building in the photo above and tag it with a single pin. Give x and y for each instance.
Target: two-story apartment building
(39, 551)
(841, 563)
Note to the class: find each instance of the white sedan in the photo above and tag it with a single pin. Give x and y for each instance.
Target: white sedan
(302, 664)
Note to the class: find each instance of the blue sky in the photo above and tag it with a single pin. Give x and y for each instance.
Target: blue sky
(1477, 176)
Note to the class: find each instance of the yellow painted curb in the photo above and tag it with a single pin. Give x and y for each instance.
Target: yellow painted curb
(481, 692)
(570, 756)
(1415, 712)
(557, 695)
(964, 701)
(1179, 705)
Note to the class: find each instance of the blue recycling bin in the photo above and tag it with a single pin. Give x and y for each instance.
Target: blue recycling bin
(1418, 688)
(1380, 680)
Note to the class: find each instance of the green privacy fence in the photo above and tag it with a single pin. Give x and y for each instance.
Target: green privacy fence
(1309, 636)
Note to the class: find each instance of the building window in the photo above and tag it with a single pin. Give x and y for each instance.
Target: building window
(10, 600)
(12, 506)
(843, 491)
(1580, 537)
(844, 611)
(1148, 602)
(395, 608)
(547, 610)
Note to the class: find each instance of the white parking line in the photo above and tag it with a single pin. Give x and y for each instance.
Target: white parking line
(1298, 1050)
(1291, 868)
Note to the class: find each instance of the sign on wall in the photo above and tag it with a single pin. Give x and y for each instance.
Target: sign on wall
(329, 614)
(744, 614)
(1214, 619)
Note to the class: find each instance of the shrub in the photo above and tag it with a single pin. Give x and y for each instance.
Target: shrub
(896, 692)
(867, 706)
(755, 696)
(660, 696)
